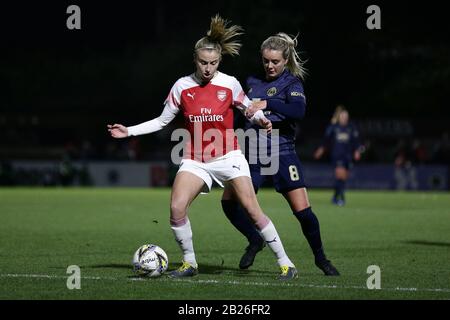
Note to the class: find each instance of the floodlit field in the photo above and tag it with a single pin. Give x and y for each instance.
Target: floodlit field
(43, 231)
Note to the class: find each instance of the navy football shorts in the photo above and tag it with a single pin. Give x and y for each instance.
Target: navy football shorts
(288, 177)
(343, 163)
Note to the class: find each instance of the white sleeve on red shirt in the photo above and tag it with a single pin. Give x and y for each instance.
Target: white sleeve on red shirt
(171, 109)
(156, 124)
(240, 99)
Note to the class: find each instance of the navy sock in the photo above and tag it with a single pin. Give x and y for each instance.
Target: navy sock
(238, 217)
(339, 189)
(311, 230)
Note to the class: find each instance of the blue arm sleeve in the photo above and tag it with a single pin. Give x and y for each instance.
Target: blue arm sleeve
(295, 110)
(295, 105)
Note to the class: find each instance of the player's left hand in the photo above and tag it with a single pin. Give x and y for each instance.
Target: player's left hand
(254, 107)
(357, 155)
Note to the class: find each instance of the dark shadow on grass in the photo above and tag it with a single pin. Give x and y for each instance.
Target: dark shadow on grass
(203, 269)
(220, 269)
(428, 243)
(109, 265)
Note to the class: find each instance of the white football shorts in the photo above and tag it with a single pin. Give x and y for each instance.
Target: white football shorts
(221, 169)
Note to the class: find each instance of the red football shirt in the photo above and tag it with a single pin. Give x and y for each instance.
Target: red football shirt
(208, 114)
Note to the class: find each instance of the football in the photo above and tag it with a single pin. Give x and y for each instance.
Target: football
(150, 261)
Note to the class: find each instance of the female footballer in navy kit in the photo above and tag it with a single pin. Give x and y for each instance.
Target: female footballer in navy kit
(342, 141)
(281, 97)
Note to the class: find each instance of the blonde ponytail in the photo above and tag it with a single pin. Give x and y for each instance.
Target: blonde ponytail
(287, 44)
(335, 118)
(220, 38)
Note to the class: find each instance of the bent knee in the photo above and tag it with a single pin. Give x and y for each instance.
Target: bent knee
(228, 195)
(178, 208)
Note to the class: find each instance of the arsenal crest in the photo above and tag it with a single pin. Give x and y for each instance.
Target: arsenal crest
(222, 95)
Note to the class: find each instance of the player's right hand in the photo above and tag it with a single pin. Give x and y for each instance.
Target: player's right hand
(255, 106)
(118, 131)
(266, 124)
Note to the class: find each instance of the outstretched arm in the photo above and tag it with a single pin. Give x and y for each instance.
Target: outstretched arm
(293, 106)
(120, 131)
(325, 142)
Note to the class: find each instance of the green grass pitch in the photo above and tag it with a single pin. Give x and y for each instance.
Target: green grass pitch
(43, 231)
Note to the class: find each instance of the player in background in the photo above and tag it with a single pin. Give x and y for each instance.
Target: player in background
(281, 97)
(342, 140)
(206, 100)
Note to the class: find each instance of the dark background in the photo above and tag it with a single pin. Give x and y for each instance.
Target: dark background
(59, 87)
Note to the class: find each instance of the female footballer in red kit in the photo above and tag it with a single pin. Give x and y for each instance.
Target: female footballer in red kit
(206, 100)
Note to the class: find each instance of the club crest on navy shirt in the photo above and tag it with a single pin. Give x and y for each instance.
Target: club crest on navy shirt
(342, 137)
(272, 91)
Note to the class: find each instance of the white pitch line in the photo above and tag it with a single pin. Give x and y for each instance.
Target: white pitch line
(46, 276)
(227, 282)
(304, 285)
